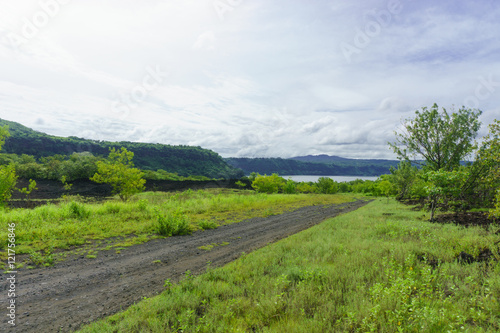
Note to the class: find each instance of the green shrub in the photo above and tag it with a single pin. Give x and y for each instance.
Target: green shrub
(268, 184)
(39, 259)
(8, 180)
(326, 185)
(305, 188)
(344, 187)
(240, 184)
(496, 211)
(290, 187)
(78, 210)
(142, 204)
(207, 225)
(173, 224)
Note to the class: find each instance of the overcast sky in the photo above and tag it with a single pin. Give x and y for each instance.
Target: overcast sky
(246, 78)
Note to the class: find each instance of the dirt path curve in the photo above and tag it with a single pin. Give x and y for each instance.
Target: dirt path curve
(80, 290)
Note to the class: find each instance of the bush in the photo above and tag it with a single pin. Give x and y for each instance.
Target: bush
(305, 188)
(344, 187)
(78, 210)
(8, 180)
(290, 187)
(268, 184)
(205, 225)
(326, 185)
(173, 224)
(496, 212)
(119, 172)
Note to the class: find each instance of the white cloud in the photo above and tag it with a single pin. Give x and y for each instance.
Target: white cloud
(268, 80)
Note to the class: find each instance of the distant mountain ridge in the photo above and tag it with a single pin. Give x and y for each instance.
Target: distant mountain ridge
(319, 165)
(184, 160)
(331, 159)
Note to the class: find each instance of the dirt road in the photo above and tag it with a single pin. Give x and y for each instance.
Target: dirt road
(80, 290)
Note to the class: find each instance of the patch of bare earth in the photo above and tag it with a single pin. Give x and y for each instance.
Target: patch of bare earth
(471, 219)
(80, 290)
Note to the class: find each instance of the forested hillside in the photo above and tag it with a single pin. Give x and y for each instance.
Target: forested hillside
(183, 160)
(348, 162)
(344, 167)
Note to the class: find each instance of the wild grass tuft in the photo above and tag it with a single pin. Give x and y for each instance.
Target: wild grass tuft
(173, 224)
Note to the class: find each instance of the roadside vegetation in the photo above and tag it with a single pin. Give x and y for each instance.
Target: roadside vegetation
(382, 268)
(44, 230)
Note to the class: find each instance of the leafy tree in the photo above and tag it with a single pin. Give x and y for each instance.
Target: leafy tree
(496, 211)
(326, 185)
(27, 190)
(446, 188)
(489, 157)
(8, 176)
(403, 178)
(442, 139)
(252, 176)
(268, 184)
(118, 171)
(8, 181)
(67, 186)
(385, 186)
(240, 184)
(344, 187)
(290, 187)
(304, 187)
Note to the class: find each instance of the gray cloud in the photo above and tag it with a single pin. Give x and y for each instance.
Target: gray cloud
(269, 80)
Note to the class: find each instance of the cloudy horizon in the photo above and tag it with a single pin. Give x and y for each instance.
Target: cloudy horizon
(246, 78)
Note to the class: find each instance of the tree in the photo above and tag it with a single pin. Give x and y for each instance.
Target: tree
(118, 171)
(385, 186)
(488, 158)
(326, 185)
(268, 184)
(446, 189)
(8, 178)
(290, 187)
(442, 139)
(496, 211)
(403, 178)
(27, 190)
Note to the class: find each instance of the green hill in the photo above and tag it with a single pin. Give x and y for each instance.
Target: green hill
(309, 165)
(184, 160)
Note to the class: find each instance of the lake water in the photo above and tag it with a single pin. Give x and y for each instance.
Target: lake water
(302, 178)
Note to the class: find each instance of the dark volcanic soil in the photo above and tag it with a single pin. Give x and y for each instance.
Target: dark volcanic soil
(468, 219)
(80, 290)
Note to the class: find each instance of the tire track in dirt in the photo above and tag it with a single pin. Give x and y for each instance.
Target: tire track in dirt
(79, 290)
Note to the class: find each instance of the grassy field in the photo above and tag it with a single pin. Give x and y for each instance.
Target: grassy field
(382, 268)
(88, 227)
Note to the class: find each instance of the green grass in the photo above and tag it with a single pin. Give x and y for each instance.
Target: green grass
(73, 224)
(382, 268)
